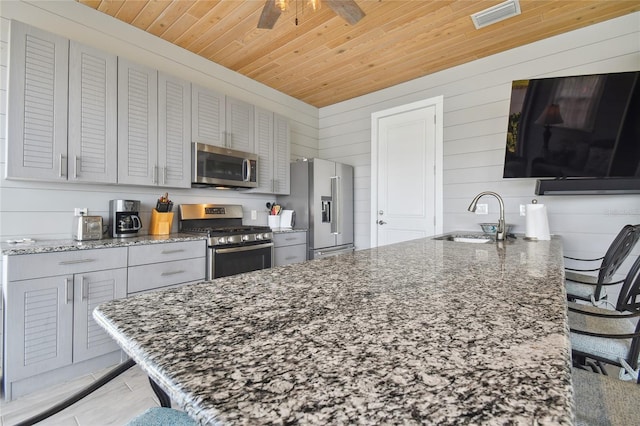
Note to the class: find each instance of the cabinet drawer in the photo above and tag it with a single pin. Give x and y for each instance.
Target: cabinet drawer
(27, 266)
(290, 254)
(156, 253)
(289, 238)
(149, 277)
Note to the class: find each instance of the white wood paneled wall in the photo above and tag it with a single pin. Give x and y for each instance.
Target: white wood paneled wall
(44, 210)
(476, 105)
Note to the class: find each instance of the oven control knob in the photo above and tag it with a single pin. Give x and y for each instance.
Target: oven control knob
(222, 240)
(258, 236)
(245, 238)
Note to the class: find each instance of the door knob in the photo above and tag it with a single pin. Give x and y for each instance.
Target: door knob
(380, 212)
(381, 222)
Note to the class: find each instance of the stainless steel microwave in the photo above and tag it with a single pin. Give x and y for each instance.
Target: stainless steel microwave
(222, 167)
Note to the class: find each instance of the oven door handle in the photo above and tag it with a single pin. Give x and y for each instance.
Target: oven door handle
(243, 248)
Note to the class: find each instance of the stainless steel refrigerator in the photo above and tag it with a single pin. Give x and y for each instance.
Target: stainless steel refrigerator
(322, 198)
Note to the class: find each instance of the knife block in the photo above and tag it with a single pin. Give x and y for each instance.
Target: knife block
(160, 223)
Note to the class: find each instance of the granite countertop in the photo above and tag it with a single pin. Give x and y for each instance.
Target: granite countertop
(50, 246)
(288, 230)
(425, 331)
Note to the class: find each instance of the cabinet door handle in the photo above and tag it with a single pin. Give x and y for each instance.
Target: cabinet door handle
(75, 166)
(67, 282)
(291, 257)
(60, 174)
(164, 175)
(172, 251)
(166, 274)
(73, 262)
(83, 289)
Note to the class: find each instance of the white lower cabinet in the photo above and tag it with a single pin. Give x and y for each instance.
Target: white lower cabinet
(49, 332)
(161, 265)
(40, 333)
(49, 323)
(290, 247)
(90, 290)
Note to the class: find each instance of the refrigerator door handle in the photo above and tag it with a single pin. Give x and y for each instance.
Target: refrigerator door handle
(336, 223)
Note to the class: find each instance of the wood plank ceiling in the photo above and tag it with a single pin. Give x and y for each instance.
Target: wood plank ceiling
(323, 60)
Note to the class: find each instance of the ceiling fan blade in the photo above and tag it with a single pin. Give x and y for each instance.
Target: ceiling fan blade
(347, 9)
(269, 16)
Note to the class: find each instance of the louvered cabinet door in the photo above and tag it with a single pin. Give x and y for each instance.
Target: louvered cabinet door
(207, 116)
(174, 132)
(90, 290)
(239, 127)
(93, 120)
(37, 118)
(40, 323)
(264, 150)
(137, 124)
(281, 156)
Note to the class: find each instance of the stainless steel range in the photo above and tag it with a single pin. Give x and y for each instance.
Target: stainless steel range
(233, 248)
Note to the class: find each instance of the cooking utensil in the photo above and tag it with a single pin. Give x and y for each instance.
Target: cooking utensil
(164, 204)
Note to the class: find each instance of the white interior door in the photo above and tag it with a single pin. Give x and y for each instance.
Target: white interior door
(406, 173)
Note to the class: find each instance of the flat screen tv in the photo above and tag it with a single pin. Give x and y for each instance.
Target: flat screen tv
(575, 127)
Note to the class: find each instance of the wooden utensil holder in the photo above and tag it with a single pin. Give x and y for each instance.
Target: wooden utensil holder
(160, 223)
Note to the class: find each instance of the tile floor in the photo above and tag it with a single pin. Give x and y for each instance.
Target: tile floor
(115, 403)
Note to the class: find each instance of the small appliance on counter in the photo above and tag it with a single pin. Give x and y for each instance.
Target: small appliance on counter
(123, 218)
(87, 228)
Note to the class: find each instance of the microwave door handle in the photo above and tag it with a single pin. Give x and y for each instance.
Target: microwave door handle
(246, 170)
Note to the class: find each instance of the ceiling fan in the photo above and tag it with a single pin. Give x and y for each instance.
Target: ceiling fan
(347, 9)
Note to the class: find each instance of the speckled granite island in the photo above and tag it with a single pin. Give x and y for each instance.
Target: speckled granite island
(426, 331)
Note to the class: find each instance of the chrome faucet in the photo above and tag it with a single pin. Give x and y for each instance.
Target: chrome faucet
(500, 232)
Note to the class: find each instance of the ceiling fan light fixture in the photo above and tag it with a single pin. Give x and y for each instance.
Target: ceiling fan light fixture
(497, 13)
(283, 5)
(314, 4)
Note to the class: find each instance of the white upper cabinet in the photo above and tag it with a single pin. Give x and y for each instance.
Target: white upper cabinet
(207, 116)
(79, 114)
(154, 131)
(38, 93)
(137, 124)
(174, 132)
(239, 128)
(264, 150)
(272, 147)
(93, 120)
(282, 155)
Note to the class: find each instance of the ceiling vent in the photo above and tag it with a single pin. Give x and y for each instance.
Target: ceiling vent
(496, 13)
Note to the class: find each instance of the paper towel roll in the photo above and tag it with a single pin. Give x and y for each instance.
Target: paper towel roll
(537, 223)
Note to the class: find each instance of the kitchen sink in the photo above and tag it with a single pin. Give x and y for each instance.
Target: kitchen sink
(466, 238)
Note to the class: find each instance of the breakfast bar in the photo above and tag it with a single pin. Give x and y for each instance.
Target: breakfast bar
(425, 331)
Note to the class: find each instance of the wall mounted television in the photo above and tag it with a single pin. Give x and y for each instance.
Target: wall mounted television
(581, 133)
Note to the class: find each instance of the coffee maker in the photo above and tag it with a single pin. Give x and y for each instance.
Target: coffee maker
(123, 218)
